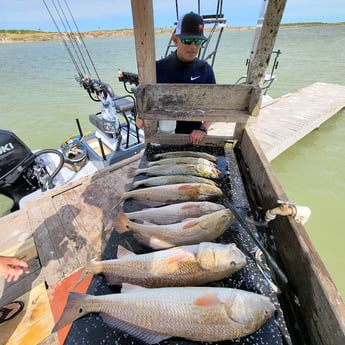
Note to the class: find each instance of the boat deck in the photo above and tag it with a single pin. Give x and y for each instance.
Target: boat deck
(59, 232)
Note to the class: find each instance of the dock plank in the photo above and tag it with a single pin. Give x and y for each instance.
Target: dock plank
(289, 118)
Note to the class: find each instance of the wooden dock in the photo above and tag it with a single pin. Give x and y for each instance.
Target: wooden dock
(59, 232)
(285, 120)
(289, 118)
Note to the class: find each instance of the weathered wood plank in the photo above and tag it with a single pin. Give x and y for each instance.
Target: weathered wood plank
(289, 118)
(82, 223)
(49, 235)
(182, 98)
(14, 228)
(33, 324)
(213, 115)
(264, 44)
(190, 102)
(23, 250)
(319, 301)
(144, 35)
(183, 139)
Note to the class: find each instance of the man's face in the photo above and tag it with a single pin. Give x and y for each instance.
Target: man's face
(186, 52)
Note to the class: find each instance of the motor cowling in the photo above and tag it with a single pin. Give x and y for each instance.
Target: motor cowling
(18, 169)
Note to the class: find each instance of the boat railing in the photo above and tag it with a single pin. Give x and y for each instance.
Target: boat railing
(196, 102)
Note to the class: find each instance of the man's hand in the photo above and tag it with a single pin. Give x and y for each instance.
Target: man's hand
(12, 268)
(139, 122)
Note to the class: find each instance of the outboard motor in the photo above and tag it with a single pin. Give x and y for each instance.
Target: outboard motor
(21, 172)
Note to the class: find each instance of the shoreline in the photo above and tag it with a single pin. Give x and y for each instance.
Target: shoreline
(16, 36)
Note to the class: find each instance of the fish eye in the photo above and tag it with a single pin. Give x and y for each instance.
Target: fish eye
(232, 264)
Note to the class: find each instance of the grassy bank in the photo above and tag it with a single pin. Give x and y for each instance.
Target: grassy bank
(14, 35)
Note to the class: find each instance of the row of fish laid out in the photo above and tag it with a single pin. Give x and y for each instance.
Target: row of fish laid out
(161, 294)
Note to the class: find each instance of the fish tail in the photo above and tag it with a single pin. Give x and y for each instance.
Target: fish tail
(73, 310)
(132, 171)
(121, 223)
(95, 266)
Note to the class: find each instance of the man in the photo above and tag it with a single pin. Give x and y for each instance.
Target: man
(183, 66)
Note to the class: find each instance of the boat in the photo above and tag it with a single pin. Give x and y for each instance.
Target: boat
(66, 223)
(116, 137)
(26, 174)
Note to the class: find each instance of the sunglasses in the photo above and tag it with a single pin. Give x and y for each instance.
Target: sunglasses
(189, 41)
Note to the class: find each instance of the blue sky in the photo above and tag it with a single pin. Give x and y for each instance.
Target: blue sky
(116, 14)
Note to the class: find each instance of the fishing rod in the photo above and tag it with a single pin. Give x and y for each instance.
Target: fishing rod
(72, 38)
(267, 255)
(82, 40)
(76, 49)
(64, 41)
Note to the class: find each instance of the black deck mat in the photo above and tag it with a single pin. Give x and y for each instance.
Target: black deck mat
(92, 330)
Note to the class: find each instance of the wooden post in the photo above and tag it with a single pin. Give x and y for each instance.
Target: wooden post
(144, 35)
(265, 43)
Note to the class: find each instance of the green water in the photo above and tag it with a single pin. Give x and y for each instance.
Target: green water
(40, 100)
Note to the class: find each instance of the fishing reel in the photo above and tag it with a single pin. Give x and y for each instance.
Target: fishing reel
(95, 88)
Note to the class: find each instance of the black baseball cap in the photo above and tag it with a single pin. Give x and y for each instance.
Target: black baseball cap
(191, 25)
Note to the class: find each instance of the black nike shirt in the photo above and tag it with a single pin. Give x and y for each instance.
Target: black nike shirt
(174, 71)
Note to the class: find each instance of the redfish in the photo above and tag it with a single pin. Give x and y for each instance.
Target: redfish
(175, 213)
(182, 160)
(181, 169)
(191, 265)
(171, 179)
(196, 313)
(192, 231)
(174, 154)
(173, 193)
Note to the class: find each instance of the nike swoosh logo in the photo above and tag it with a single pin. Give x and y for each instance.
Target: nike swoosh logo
(194, 78)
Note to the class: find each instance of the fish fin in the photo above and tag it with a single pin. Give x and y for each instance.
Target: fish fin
(182, 186)
(148, 336)
(111, 280)
(153, 242)
(121, 223)
(207, 300)
(181, 256)
(132, 171)
(188, 205)
(128, 288)
(128, 187)
(87, 271)
(110, 225)
(190, 223)
(73, 310)
(123, 252)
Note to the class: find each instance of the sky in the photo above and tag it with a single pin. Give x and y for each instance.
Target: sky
(116, 14)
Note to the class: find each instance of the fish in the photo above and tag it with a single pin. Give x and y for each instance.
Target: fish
(169, 194)
(191, 265)
(201, 170)
(182, 160)
(175, 212)
(174, 154)
(196, 313)
(191, 231)
(173, 179)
